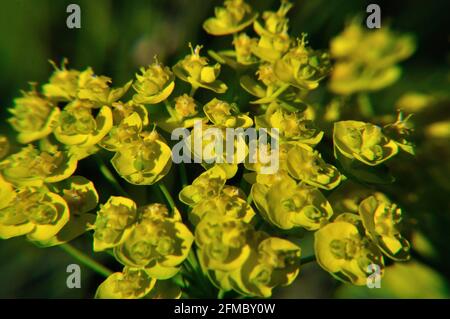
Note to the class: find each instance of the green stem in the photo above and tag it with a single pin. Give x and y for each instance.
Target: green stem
(167, 195)
(86, 260)
(307, 259)
(249, 199)
(183, 175)
(109, 175)
(221, 294)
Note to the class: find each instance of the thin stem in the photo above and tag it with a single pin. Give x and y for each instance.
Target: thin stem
(183, 175)
(193, 90)
(86, 260)
(249, 199)
(167, 195)
(307, 259)
(109, 176)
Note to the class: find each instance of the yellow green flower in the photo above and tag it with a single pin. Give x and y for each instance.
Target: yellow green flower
(302, 67)
(366, 59)
(195, 70)
(307, 165)
(232, 18)
(380, 217)
(208, 185)
(297, 205)
(292, 126)
(34, 117)
(31, 167)
(158, 242)
(231, 202)
(154, 85)
(273, 262)
(363, 141)
(114, 221)
(126, 133)
(63, 84)
(34, 212)
(223, 242)
(129, 284)
(275, 22)
(78, 126)
(345, 253)
(143, 162)
(81, 198)
(400, 132)
(121, 110)
(243, 45)
(95, 88)
(185, 106)
(223, 114)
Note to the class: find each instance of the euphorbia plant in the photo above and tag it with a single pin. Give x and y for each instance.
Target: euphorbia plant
(233, 230)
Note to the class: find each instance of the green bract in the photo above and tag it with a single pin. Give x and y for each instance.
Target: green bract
(363, 141)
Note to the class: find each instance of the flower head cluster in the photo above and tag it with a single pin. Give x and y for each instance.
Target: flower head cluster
(148, 238)
(364, 230)
(235, 255)
(242, 236)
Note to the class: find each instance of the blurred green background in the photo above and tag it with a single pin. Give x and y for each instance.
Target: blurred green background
(117, 37)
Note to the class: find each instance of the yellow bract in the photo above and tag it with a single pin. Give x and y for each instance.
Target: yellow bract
(34, 212)
(380, 218)
(129, 284)
(307, 165)
(34, 117)
(30, 167)
(235, 16)
(157, 242)
(154, 85)
(297, 205)
(114, 222)
(345, 253)
(195, 70)
(223, 114)
(363, 141)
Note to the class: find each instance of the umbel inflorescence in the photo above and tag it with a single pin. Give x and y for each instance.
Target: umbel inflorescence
(220, 237)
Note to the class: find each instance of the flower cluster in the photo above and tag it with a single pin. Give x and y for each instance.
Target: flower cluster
(231, 251)
(233, 229)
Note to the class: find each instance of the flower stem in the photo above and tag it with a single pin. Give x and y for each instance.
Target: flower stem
(167, 195)
(86, 260)
(307, 259)
(183, 175)
(109, 176)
